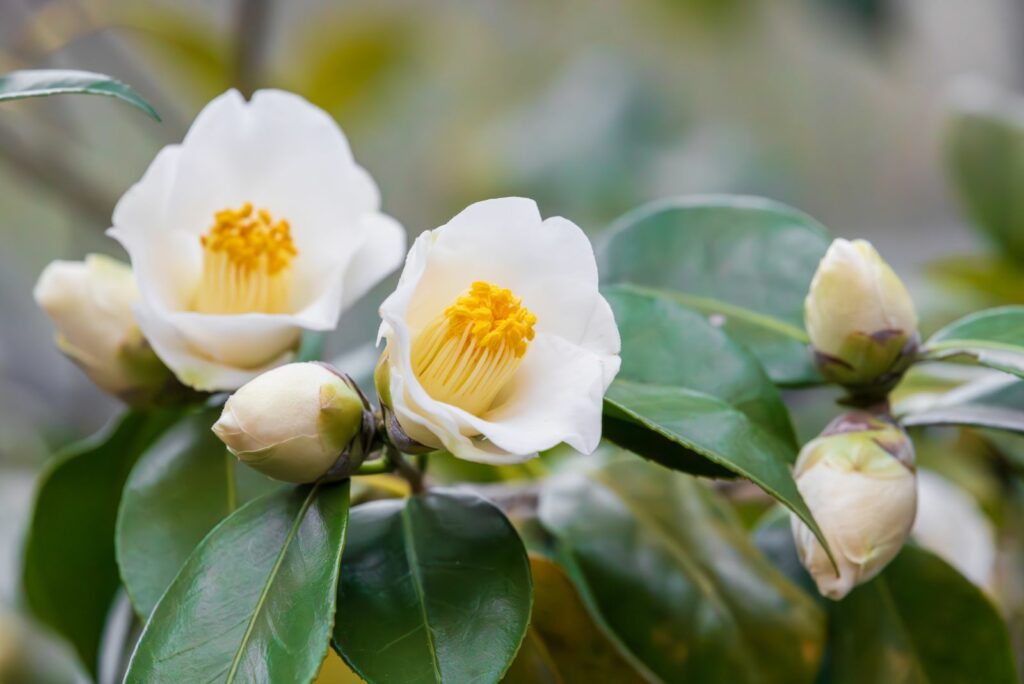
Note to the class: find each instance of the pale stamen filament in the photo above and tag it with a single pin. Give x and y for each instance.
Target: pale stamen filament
(247, 259)
(471, 351)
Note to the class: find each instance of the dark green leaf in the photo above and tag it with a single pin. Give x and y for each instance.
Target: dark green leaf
(256, 599)
(563, 643)
(984, 149)
(919, 621)
(711, 428)
(17, 85)
(747, 261)
(435, 588)
(996, 403)
(668, 570)
(993, 338)
(182, 486)
(664, 343)
(69, 571)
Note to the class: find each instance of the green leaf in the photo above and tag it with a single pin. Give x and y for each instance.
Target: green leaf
(985, 158)
(70, 574)
(178, 491)
(919, 621)
(563, 643)
(256, 599)
(996, 403)
(708, 427)
(993, 338)
(17, 85)
(997, 280)
(667, 569)
(664, 343)
(435, 588)
(311, 348)
(747, 261)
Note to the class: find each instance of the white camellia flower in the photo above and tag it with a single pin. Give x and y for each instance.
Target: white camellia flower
(498, 343)
(859, 482)
(90, 303)
(259, 225)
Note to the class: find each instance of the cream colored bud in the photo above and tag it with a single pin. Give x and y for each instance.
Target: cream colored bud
(293, 422)
(859, 316)
(90, 303)
(859, 481)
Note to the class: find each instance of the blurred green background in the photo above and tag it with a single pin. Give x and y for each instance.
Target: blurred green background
(592, 107)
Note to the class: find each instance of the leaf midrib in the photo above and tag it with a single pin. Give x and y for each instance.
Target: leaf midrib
(237, 660)
(417, 581)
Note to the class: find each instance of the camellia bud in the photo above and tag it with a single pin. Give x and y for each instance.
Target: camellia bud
(90, 303)
(859, 481)
(860, 319)
(298, 423)
(398, 437)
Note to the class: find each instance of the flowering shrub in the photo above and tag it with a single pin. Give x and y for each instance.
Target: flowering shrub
(533, 486)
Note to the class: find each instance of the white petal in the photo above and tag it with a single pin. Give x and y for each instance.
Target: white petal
(277, 151)
(379, 256)
(951, 525)
(192, 367)
(241, 340)
(166, 263)
(144, 206)
(556, 396)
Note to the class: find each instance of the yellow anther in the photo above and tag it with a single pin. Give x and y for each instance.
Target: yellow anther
(469, 352)
(247, 261)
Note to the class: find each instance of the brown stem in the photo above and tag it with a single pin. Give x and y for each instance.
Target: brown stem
(252, 24)
(406, 470)
(54, 173)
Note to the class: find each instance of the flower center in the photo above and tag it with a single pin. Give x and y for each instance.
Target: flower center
(247, 263)
(466, 355)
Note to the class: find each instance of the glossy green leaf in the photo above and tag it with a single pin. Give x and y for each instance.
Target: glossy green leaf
(17, 85)
(745, 261)
(993, 338)
(256, 599)
(996, 403)
(985, 159)
(434, 588)
(668, 570)
(665, 343)
(179, 490)
(705, 427)
(70, 574)
(919, 621)
(995, 279)
(563, 643)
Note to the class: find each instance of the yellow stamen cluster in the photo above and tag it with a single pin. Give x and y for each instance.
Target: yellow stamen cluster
(466, 355)
(247, 258)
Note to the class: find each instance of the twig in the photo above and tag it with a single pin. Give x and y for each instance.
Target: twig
(410, 473)
(252, 23)
(54, 173)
